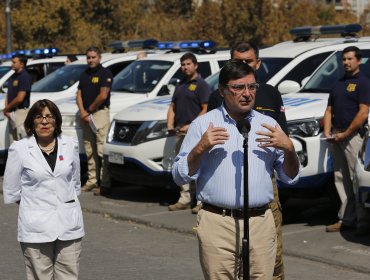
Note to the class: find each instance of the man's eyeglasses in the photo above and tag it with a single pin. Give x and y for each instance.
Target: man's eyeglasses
(48, 118)
(239, 89)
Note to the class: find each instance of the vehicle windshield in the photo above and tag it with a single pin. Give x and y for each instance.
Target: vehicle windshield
(140, 76)
(269, 67)
(61, 79)
(331, 71)
(4, 70)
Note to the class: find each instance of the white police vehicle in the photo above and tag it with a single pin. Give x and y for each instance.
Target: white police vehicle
(146, 79)
(61, 85)
(288, 65)
(138, 145)
(362, 171)
(41, 62)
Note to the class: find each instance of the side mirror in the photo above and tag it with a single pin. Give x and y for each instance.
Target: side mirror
(174, 81)
(4, 87)
(164, 91)
(288, 86)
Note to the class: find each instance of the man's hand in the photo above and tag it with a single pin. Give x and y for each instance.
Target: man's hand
(275, 138)
(213, 136)
(184, 129)
(6, 112)
(84, 116)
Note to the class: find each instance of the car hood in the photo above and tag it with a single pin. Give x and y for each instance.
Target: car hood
(118, 101)
(155, 109)
(304, 105)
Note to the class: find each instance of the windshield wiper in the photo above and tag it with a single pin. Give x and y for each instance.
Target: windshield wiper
(124, 89)
(315, 90)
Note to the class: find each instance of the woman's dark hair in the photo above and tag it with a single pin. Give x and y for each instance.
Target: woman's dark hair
(37, 109)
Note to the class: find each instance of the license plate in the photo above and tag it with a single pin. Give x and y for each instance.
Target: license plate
(116, 158)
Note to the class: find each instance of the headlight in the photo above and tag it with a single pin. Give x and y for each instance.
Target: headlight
(111, 132)
(134, 133)
(151, 131)
(304, 128)
(71, 121)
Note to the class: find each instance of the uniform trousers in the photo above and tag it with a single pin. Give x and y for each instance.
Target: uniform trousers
(344, 159)
(58, 260)
(97, 167)
(220, 246)
(278, 218)
(16, 130)
(188, 190)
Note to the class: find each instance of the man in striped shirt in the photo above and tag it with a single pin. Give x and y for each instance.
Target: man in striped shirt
(212, 155)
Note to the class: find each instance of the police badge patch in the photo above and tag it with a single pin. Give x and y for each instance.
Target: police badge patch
(351, 87)
(192, 87)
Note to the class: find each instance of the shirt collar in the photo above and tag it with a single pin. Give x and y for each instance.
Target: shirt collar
(228, 118)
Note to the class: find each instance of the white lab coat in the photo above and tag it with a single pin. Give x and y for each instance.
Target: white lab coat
(44, 215)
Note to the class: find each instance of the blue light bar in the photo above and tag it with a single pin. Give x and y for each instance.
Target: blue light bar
(142, 43)
(190, 45)
(343, 29)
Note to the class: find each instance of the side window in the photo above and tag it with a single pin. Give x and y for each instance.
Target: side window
(306, 67)
(118, 67)
(365, 63)
(221, 63)
(203, 68)
(36, 72)
(51, 67)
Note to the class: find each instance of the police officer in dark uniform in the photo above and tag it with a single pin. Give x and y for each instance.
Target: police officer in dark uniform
(188, 102)
(93, 100)
(268, 102)
(17, 100)
(344, 119)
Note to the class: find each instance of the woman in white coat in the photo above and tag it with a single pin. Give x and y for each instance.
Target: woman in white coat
(42, 175)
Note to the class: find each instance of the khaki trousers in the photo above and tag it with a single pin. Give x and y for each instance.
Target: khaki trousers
(278, 219)
(188, 190)
(18, 132)
(58, 260)
(344, 159)
(220, 246)
(97, 167)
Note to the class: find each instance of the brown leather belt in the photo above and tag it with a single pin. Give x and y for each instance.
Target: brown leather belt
(235, 213)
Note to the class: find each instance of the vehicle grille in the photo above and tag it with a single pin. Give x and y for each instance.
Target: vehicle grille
(125, 132)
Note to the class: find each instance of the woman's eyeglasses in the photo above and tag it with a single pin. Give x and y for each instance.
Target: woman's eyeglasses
(48, 118)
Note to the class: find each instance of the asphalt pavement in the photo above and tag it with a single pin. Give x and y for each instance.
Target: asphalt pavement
(304, 238)
(307, 239)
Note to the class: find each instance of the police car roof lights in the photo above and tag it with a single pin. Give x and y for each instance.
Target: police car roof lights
(45, 52)
(120, 46)
(305, 32)
(187, 45)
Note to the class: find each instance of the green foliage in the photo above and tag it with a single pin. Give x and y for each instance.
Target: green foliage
(73, 25)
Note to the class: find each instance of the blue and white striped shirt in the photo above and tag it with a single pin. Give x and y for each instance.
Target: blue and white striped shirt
(219, 178)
